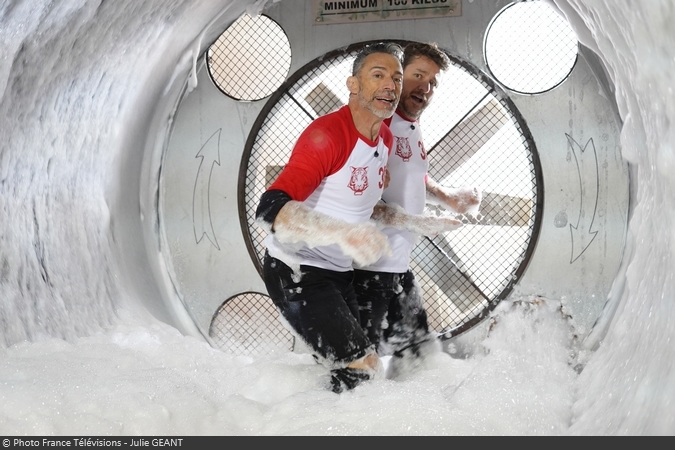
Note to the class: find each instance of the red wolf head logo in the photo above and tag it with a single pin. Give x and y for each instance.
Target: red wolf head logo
(359, 180)
(403, 148)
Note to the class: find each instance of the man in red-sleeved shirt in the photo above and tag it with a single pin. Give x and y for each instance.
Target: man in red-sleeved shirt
(318, 211)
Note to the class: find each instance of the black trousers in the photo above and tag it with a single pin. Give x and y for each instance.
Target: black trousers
(320, 305)
(398, 297)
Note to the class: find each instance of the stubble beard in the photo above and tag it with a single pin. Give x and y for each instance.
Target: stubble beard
(369, 106)
(415, 115)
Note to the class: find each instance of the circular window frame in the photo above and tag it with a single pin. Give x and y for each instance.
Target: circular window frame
(481, 77)
(490, 67)
(212, 77)
(244, 335)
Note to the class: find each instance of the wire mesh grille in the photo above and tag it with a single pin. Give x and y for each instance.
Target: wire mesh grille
(251, 59)
(248, 324)
(530, 48)
(474, 136)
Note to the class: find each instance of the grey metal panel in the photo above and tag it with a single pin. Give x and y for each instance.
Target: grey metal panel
(207, 256)
(461, 35)
(586, 186)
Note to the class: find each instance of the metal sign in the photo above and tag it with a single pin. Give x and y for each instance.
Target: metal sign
(327, 12)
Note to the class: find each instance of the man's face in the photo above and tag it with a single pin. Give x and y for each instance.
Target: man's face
(379, 84)
(420, 79)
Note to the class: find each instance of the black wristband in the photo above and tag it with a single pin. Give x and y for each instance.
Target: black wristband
(270, 204)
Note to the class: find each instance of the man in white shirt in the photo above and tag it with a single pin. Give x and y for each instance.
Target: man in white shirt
(388, 287)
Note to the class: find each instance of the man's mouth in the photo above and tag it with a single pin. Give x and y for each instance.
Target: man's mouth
(387, 99)
(418, 98)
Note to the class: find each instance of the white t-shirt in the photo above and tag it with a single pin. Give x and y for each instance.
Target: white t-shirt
(408, 166)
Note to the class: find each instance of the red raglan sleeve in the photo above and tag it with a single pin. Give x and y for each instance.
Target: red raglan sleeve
(318, 153)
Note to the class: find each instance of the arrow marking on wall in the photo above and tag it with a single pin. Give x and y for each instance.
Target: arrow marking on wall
(209, 156)
(587, 169)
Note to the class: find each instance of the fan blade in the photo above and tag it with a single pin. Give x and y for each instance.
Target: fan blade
(323, 100)
(467, 138)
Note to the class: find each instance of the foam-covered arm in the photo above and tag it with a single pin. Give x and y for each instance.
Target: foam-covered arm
(295, 223)
(463, 200)
(391, 214)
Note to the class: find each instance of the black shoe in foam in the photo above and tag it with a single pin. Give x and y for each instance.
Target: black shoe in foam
(346, 379)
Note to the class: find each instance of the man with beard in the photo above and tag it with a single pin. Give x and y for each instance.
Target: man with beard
(388, 286)
(317, 214)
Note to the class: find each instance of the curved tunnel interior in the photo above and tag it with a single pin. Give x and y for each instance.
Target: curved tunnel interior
(527, 117)
(134, 142)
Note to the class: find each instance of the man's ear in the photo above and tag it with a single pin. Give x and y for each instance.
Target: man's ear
(353, 84)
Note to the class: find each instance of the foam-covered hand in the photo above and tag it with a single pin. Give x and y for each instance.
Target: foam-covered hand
(364, 242)
(391, 214)
(462, 200)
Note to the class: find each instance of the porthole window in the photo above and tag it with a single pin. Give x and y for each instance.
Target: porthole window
(530, 48)
(251, 59)
(248, 324)
(474, 136)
